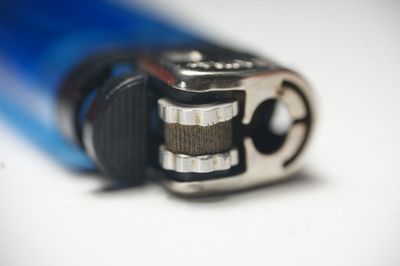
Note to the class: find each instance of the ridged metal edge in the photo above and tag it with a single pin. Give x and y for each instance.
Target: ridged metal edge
(200, 115)
(198, 164)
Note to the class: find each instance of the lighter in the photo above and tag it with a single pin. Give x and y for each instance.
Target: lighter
(138, 94)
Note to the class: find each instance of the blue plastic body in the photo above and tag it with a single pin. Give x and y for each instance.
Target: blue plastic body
(41, 41)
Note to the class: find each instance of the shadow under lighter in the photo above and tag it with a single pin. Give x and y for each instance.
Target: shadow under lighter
(136, 93)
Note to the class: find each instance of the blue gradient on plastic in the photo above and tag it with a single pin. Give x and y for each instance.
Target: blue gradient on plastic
(41, 41)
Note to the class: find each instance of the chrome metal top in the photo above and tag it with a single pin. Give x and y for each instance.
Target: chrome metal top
(210, 70)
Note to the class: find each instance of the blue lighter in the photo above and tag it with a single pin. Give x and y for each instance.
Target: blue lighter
(101, 85)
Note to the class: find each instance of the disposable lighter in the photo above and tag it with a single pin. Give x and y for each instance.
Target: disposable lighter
(102, 85)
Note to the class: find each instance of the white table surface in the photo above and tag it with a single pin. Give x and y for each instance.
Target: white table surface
(344, 209)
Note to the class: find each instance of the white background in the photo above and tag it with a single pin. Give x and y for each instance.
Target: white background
(343, 209)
